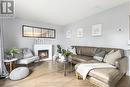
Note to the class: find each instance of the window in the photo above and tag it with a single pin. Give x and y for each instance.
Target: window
(37, 32)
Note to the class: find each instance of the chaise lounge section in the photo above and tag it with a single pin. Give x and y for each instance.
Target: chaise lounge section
(104, 77)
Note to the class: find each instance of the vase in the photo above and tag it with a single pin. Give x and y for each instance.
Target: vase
(66, 59)
(8, 57)
(60, 55)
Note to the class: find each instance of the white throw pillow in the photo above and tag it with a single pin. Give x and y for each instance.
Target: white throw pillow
(112, 57)
(73, 50)
(112, 51)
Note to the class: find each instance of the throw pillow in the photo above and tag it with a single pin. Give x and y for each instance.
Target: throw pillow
(112, 51)
(27, 53)
(19, 55)
(99, 56)
(111, 58)
(73, 50)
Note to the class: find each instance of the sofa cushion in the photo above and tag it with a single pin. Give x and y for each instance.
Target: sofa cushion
(27, 60)
(86, 51)
(112, 51)
(106, 75)
(111, 58)
(27, 53)
(80, 58)
(89, 61)
(99, 56)
(107, 50)
(93, 61)
(80, 50)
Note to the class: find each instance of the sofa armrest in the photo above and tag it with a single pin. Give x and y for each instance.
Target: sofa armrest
(122, 64)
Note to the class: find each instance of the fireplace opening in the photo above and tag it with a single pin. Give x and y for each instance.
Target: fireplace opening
(43, 54)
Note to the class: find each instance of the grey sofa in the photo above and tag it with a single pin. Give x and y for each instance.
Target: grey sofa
(26, 57)
(101, 77)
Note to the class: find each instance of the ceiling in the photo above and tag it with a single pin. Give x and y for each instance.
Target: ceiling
(61, 12)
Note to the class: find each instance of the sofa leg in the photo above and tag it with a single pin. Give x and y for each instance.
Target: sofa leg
(77, 75)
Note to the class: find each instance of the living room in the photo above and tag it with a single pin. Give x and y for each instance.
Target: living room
(83, 24)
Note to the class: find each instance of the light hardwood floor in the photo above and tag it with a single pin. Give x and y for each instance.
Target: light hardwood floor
(50, 74)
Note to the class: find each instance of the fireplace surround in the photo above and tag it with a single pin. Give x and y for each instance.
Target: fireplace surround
(44, 51)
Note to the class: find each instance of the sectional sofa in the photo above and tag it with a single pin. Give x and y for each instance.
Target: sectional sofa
(104, 77)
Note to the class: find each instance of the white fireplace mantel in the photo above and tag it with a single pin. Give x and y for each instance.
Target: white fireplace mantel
(43, 47)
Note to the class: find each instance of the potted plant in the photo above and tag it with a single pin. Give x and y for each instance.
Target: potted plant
(10, 53)
(59, 50)
(63, 54)
(66, 54)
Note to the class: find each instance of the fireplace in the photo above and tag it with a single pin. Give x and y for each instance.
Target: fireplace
(43, 54)
(44, 51)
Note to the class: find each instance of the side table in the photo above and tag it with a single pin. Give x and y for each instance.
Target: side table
(66, 63)
(10, 61)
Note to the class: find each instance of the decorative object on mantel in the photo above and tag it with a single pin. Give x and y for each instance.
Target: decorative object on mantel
(68, 34)
(38, 32)
(80, 32)
(97, 30)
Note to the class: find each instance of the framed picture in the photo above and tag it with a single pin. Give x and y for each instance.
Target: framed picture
(97, 30)
(80, 32)
(68, 34)
(37, 32)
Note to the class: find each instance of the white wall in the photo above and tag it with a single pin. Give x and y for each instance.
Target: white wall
(13, 34)
(111, 20)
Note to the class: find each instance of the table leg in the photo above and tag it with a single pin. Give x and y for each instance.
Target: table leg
(10, 67)
(14, 65)
(77, 75)
(71, 66)
(65, 70)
